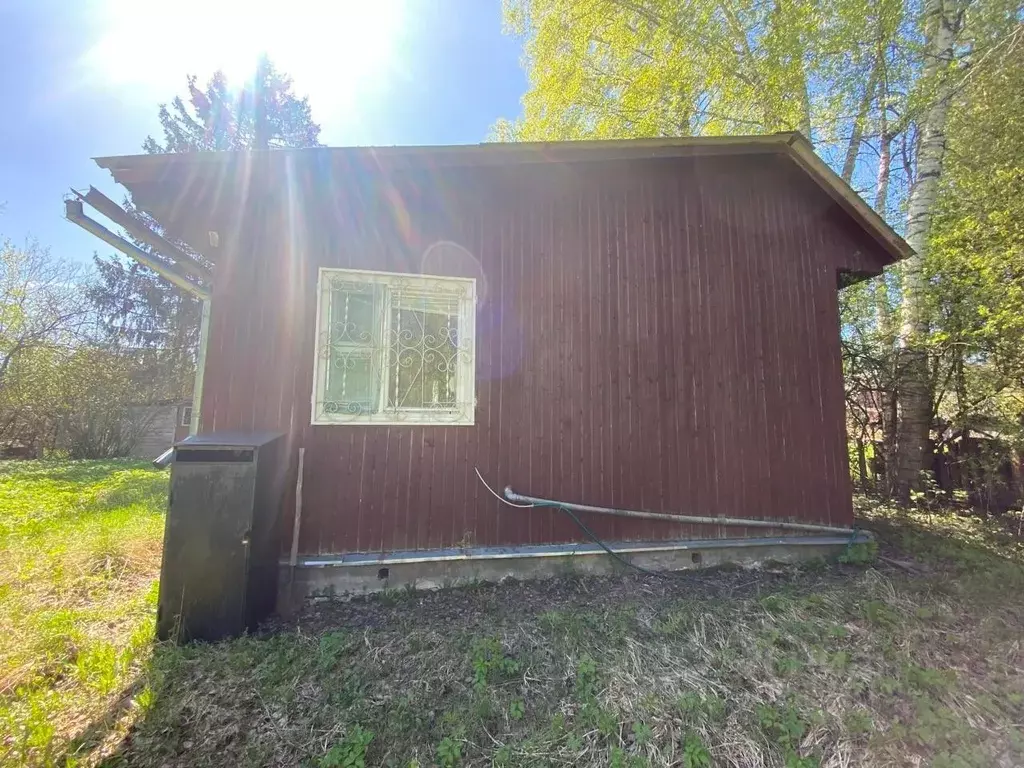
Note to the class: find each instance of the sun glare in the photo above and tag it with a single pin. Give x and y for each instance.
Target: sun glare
(335, 51)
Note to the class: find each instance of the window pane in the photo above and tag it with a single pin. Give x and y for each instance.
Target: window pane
(351, 382)
(423, 359)
(354, 314)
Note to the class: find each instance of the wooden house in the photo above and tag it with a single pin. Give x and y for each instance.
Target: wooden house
(645, 325)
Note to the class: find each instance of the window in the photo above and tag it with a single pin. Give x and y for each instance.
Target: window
(186, 416)
(394, 349)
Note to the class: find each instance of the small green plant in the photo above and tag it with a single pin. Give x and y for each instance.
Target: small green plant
(642, 733)
(695, 707)
(596, 716)
(858, 722)
(787, 665)
(878, 612)
(619, 758)
(695, 754)
(793, 760)
(516, 709)
(775, 603)
(503, 756)
(926, 679)
(838, 631)
(332, 648)
(840, 660)
(863, 553)
(586, 678)
(350, 752)
(782, 723)
(449, 752)
(490, 663)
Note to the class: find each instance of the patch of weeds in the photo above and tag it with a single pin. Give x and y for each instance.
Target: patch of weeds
(862, 553)
(490, 663)
(483, 708)
(695, 754)
(449, 752)
(557, 726)
(695, 707)
(840, 661)
(350, 752)
(503, 756)
(97, 667)
(838, 631)
(788, 665)
(642, 733)
(858, 722)
(586, 678)
(595, 716)
(887, 685)
(332, 648)
(776, 604)
(939, 727)
(784, 726)
(782, 723)
(928, 680)
(924, 612)
(574, 742)
(516, 709)
(673, 622)
(619, 758)
(879, 613)
(794, 760)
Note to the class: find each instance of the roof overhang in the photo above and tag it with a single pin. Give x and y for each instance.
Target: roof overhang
(139, 172)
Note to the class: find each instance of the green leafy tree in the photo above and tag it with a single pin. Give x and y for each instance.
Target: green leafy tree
(976, 261)
(140, 309)
(870, 82)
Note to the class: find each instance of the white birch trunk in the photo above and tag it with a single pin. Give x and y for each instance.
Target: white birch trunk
(857, 129)
(915, 395)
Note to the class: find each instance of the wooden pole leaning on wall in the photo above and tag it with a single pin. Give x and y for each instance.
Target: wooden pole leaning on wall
(291, 605)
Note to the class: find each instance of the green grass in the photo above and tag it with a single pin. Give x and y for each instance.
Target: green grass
(79, 559)
(856, 663)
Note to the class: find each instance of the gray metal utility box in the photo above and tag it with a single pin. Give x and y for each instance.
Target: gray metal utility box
(222, 537)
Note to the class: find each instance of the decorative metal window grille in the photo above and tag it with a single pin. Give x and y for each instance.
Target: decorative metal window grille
(394, 349)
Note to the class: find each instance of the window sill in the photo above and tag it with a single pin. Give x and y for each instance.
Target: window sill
(413, 420)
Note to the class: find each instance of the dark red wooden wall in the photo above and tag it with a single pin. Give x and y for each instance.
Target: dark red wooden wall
(659, 335)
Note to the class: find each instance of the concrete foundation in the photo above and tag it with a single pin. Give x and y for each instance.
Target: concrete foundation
(359, 573)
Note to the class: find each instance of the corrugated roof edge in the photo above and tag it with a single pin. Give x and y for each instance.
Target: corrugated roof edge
(129, 169)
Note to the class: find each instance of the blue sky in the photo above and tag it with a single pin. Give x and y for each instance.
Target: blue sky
(84, 79)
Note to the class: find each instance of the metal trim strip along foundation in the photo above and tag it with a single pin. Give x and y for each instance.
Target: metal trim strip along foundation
(561, 550)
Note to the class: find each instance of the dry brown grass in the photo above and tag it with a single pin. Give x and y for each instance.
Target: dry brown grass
(827, 665)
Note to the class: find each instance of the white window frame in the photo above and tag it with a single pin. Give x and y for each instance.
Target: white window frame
(462, 414)
(186, 416)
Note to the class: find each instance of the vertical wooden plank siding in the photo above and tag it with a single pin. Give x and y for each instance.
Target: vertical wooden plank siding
(662, 335)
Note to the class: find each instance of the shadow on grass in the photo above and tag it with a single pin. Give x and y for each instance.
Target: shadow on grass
(93, 737)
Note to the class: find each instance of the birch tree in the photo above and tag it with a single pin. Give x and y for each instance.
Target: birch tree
(870, 82)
